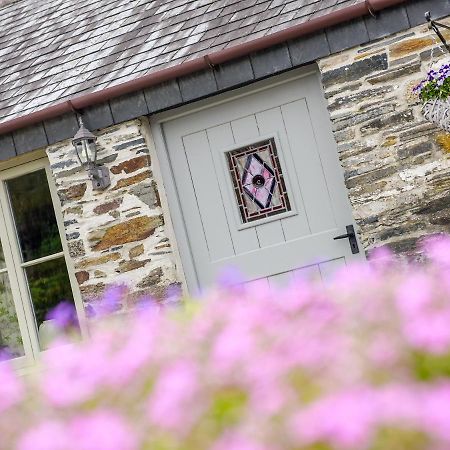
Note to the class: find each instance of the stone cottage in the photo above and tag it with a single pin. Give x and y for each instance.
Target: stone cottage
(244, 133)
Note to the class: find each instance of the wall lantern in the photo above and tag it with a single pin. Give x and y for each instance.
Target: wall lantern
(85, 146)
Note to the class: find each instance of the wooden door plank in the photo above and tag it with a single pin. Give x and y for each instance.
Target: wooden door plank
(189, 218)
(328, 268)
(271, 122)
(220, 138)
(308, 166)
(208, 197)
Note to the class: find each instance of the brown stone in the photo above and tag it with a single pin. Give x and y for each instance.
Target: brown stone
(395, 74)
(92, 290)
(132, 180)
(389, 141)
(404, 245)
(95, 235)
(387, 121)
(441, 217)
(153, 278)
(77, 210)
(409, 46)
(82, 276)
(131, 165)
(443, 141)
(89, 262)
(99, 274)
(108, 206)
(74, 192)
(132, 230)
(414, 150)
(370, 177)
(136, 251)
(160, 246)
(126, 266)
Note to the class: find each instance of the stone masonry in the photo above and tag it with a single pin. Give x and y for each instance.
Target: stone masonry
(396, 165)
(117, 236)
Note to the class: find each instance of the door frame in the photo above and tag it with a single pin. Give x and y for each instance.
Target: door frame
(175, 210)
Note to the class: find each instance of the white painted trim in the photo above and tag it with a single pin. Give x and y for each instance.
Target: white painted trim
(79, 306)
(168, 223)
(183, 243)
(33, 262)
(15, 265)
(25, 158)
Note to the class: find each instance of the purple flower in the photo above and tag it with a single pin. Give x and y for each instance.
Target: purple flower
(64, 315)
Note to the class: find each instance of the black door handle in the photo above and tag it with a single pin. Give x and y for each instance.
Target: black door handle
(351, 236)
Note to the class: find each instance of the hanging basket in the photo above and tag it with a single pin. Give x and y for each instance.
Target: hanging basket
(437, 111)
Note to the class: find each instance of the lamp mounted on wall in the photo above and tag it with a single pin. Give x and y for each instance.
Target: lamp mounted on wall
(86, 149)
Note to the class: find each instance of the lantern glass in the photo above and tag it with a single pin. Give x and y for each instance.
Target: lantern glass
(86, 151)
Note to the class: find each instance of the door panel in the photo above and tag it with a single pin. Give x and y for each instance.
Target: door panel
(284, 133)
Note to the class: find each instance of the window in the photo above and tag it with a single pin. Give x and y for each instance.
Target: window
(33, 259)
(258, 181)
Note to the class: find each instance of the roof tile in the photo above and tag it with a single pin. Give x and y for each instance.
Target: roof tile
(57, 49)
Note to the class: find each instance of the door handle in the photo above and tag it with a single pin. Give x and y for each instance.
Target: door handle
(351, 236)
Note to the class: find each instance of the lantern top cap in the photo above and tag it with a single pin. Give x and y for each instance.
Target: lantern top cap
(83, 133)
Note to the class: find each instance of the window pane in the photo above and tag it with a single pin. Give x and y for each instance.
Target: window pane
(10, 337)
(2, 258)
(34, 215)
(49, 286)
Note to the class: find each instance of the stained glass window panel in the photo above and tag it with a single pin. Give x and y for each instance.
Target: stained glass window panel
(258, 181)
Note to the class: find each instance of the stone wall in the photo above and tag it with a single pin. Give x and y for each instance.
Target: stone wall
(117, 236)
(396, 164)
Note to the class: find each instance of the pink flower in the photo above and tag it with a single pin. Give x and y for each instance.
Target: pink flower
(414, 294)
(74, 372)
(235, 441)
(344, 420)
(49, 435)
(102, 430)
(11, 389)
(174, 394)
(437, 249)
(429, 332)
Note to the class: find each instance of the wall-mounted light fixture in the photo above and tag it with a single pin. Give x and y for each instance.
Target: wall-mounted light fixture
(433, 25)
(85, 146)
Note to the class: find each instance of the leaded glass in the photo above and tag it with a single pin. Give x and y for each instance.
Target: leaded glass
(258, 181)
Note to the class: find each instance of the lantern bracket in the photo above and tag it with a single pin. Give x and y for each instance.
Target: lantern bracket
(433, 25)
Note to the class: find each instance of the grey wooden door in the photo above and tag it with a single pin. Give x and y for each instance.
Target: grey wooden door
(257, 185)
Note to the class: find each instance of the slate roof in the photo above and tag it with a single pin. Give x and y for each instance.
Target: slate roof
(53, 50)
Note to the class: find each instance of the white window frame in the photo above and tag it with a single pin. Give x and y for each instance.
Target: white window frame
(15, 268)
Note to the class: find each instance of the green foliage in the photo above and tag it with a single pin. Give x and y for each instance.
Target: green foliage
(428, 366)
(432, 90)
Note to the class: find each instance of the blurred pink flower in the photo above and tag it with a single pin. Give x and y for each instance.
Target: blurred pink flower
(102, 430)
(345, 420)
(437, 249)
(235, 441)
(175, 393)
(48, 435)
(11, 388)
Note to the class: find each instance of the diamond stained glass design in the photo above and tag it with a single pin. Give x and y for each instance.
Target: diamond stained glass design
(258, 181)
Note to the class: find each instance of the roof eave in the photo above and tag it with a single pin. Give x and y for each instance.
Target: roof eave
(78, 103)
